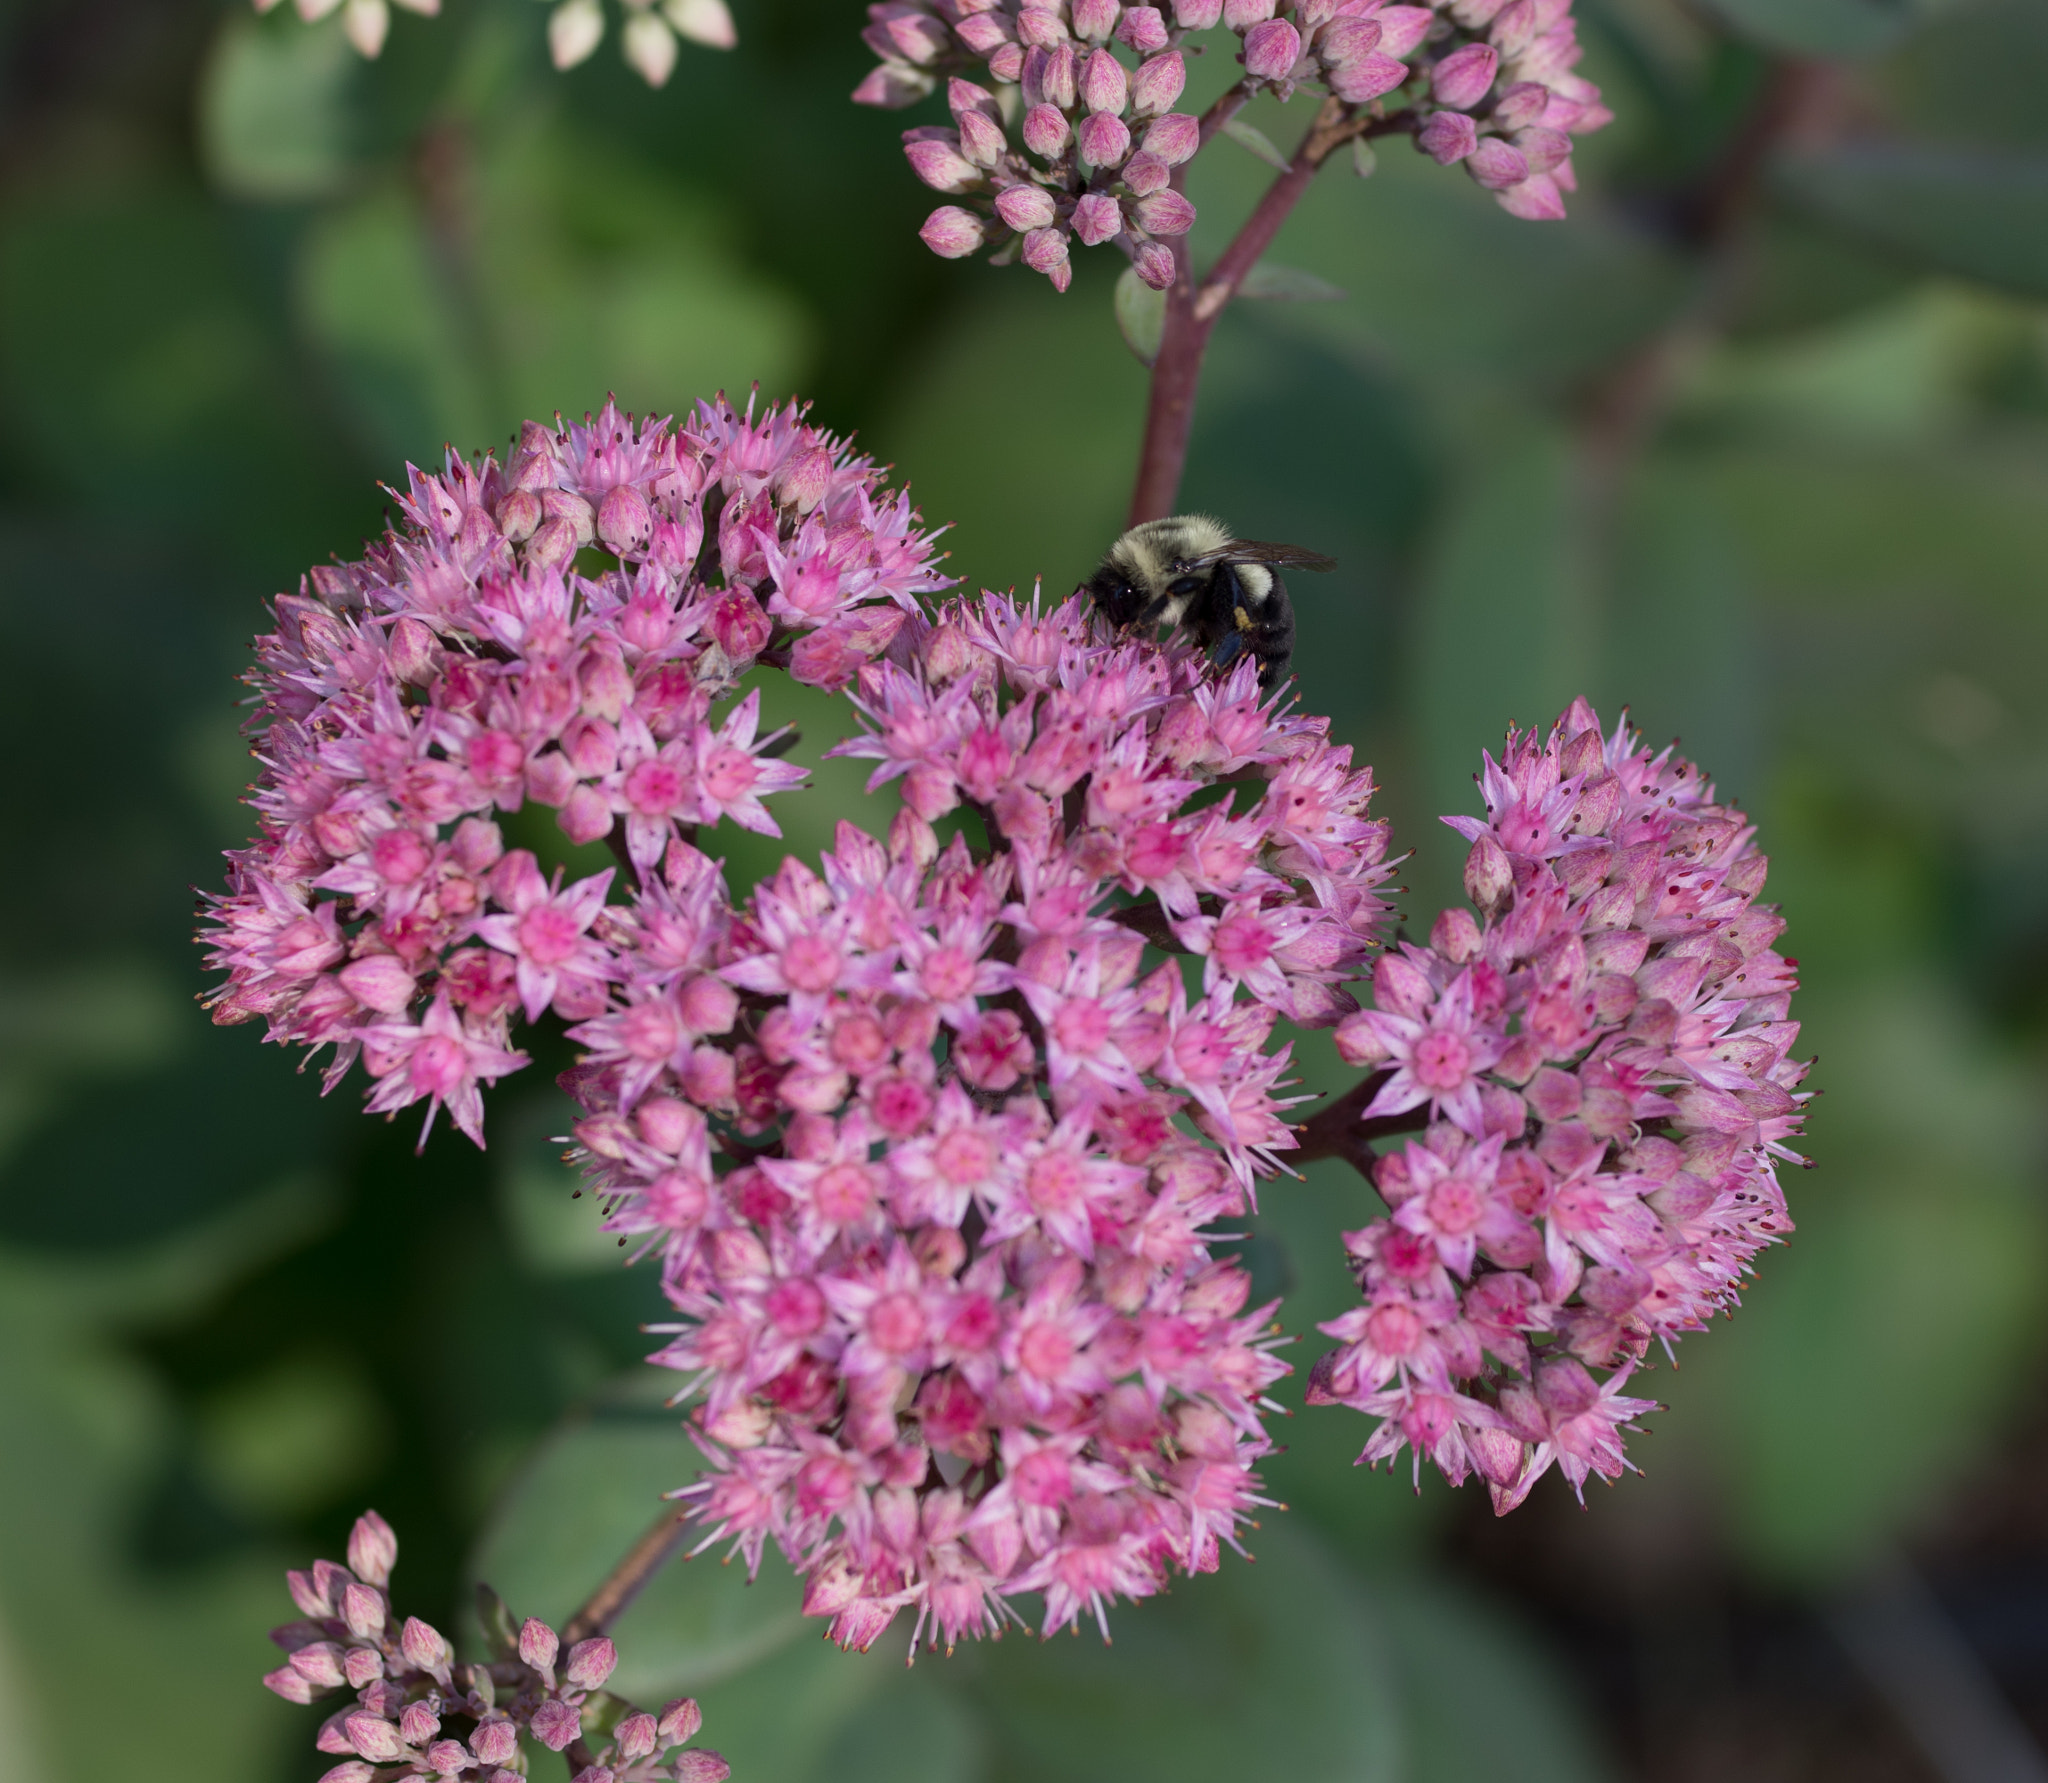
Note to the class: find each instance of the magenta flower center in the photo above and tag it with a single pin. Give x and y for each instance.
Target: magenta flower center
(1441, 1061)
(1454, 1206)
(811, 963)
(653, 788)
(896, 1323)
(1044, 1350)
(548, 936)
(1081, 1025)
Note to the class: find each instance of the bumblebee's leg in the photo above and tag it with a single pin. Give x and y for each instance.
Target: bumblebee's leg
(1220, 619)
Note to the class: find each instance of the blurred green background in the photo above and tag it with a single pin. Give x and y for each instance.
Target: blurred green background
(1756, 443)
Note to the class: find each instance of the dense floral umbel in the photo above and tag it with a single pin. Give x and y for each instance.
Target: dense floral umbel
(418, 1713)
(575, 28)
(954, 1315)
(465, 666)
(1075, 136)
(1603, 1061)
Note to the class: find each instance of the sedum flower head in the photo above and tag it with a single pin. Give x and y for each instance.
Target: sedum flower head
(928, 1138)
(465, 666)
(419, 1714)
(1065, 128)
(935, 1196)
(1602, 1058)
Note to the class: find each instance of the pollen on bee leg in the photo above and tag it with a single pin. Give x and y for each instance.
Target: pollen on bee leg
(1244, 620)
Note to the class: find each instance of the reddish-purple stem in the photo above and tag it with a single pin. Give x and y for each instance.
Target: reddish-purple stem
(1191, 309)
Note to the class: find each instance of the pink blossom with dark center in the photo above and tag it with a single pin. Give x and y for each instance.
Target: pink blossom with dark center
(1601, 1061)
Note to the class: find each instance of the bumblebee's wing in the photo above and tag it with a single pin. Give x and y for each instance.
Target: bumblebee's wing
(1296, 557)
(1260, 551)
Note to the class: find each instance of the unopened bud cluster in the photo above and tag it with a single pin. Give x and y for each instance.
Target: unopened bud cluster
(1603, 1058)
(420, 1714)
(1075, 135)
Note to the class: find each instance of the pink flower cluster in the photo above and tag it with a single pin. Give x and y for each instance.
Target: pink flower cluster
(1089, 88)
(931, 1142)
(418, 1714)
(1602, 1065)
(556, 631)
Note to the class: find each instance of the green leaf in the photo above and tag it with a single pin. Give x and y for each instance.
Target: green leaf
(1140, 314)
(1289, 283)
(1365, 159)
(1979, 216)
(586, 1496)
(273, 108)
(1251, 137)
(1825, 27)
(1278, 1669)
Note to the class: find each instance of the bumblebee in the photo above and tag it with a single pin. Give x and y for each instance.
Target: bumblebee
(1190, 572)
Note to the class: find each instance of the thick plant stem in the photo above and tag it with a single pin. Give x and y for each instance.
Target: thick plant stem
(624, 1582)
(1192, 309)
(1338, 1131)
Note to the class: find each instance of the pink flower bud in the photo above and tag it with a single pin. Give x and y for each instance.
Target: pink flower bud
(1158, 83)
(1455, 935)
(320, 1665)
(981, 139)
(495, 1740)
(312, 1592)
(1489, 878)
(538, 1644)
(374, 1738)
(1448, 136)
(552, 545)
(624, 520)
(701, 1766)
(680, 1720)
(1463, 77)
(1104, 85)
(1105, 139)
(1096, 218)
(1536, 200)
(1006, 62)
(1050, 77)
(1523, 103)
(362, 1608)
(1496, 164)
(935, 157)
(983, 32)
(1308, 14)
(1271, 50)
(414, 652)
(1543, 148)
(1166, 213)
(1025, 207)
(478, 844)
(1346, 39)
(1473, 14)
(362, 1667)
(289, 1683)
(635, 1736)
(1093, 19)
(1402, 29)
(353, 1771)
(556, 1724)
(380, 982)
(1369, 77)
(447, 1758)
(965, 96)
(951, 233)
(591, 1662)
(1041, 26)
(1155, 264)
(1514, 28)
(1143, 29)
(372, 1549)
(1045, 250)
(1196, 15)
(422, 1645)
(1145, 173)
(417, 1723)
(566, 504)
(1045, 131)
(1174, 138)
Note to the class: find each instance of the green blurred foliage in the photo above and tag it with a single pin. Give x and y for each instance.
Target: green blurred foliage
(1778, 483)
